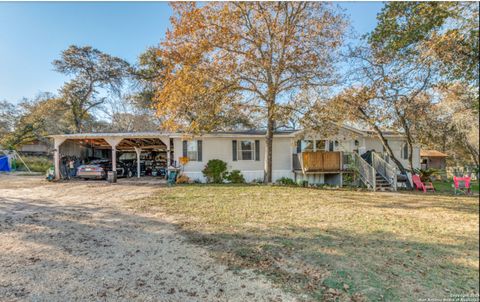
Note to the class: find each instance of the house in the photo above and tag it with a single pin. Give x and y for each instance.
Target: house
(433, 159)
(299, 155)
(34, 148)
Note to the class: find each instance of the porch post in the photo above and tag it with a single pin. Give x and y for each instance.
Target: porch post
(56, 156)
(138, 150)
(114, 158)
(168, 161)
(169, 157)
(113, 142)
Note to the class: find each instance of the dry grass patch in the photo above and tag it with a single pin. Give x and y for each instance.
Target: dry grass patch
(335, 245)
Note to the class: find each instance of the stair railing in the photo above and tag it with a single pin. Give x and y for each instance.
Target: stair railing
(386, 170)
(366, 171)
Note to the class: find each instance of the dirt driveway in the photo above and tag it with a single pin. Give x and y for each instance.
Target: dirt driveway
(80, 242)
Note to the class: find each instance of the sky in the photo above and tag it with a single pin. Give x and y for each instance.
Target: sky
(33, 34)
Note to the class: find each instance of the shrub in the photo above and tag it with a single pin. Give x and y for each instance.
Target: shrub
(35, 163)
(235, 177)
(257, 181)
(286, 181)
(215, 171)
(425, 174)
(183, 179)
(302, 183)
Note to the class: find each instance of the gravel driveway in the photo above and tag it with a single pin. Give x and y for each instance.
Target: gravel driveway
(79, 242)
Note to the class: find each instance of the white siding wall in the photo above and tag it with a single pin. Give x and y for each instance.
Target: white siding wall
(396, 145)
(283, 148)
(221, 148)
(34, 148)
(73, 148)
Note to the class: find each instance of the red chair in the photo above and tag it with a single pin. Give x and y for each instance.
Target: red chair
(462, 184)
(423, 186)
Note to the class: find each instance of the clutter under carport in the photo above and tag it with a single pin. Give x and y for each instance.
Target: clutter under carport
(123, 154)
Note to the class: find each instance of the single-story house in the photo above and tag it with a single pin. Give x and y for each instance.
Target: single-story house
(433, 159)
(297, 154)
(34, 148)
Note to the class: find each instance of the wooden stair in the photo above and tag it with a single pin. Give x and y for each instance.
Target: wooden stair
(381, 184)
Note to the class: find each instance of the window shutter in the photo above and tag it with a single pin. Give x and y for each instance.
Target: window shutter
(257, 150)
(234, 150)
(299, 146)
(199, 150)
(184, 148)
(330, 146)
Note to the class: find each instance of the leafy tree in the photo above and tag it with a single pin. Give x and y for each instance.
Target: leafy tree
(446, 31)
(446, 34)
(458, 120)
(36, 119)
(225, 58)
(8, 115)
(92, 70)
(389, 93)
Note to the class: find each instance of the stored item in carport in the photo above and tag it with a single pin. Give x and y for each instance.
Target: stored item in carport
(112, 176)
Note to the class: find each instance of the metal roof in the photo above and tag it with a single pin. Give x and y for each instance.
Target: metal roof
(253, 133)
(432, 153)
(153, 134)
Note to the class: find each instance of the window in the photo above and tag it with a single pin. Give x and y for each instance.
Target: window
(320, 145)
(192, 150)
(331, 146)
(307, 146)
(246, 150)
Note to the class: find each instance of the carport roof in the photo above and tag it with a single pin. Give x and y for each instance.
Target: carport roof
(113, 134)
(154, 134)
(251, 133)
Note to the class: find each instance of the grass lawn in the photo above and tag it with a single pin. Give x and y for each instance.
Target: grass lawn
(333, 245)
(447, 186)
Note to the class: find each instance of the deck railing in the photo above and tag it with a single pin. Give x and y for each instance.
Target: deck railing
(385, 169)
(320, 161)
(365, 171)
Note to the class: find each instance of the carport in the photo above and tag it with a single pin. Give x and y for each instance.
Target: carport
(85, 145)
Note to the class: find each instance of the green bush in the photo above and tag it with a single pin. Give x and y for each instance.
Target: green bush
(35, 163)
(235, 177)
(425, 174)
(215, 171)
(302, 183)
(257, 181)
(286, 181)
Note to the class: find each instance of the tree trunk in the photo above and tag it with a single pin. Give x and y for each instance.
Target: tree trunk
(389, 149)
(77, 120)
(408, 134)
(471, 149)
(78, 124)
(269, 145)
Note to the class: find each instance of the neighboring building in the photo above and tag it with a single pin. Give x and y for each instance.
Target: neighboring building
(35, 148)
(433, 159)
(296, 154)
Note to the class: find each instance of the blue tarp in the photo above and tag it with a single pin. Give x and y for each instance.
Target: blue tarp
(4, 166)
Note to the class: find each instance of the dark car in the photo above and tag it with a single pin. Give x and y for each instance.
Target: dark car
(97, 169)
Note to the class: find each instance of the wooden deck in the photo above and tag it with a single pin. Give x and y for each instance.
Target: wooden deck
(318, 162)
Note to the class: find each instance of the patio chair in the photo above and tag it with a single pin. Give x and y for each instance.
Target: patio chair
(423, 186)
(462, 184)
